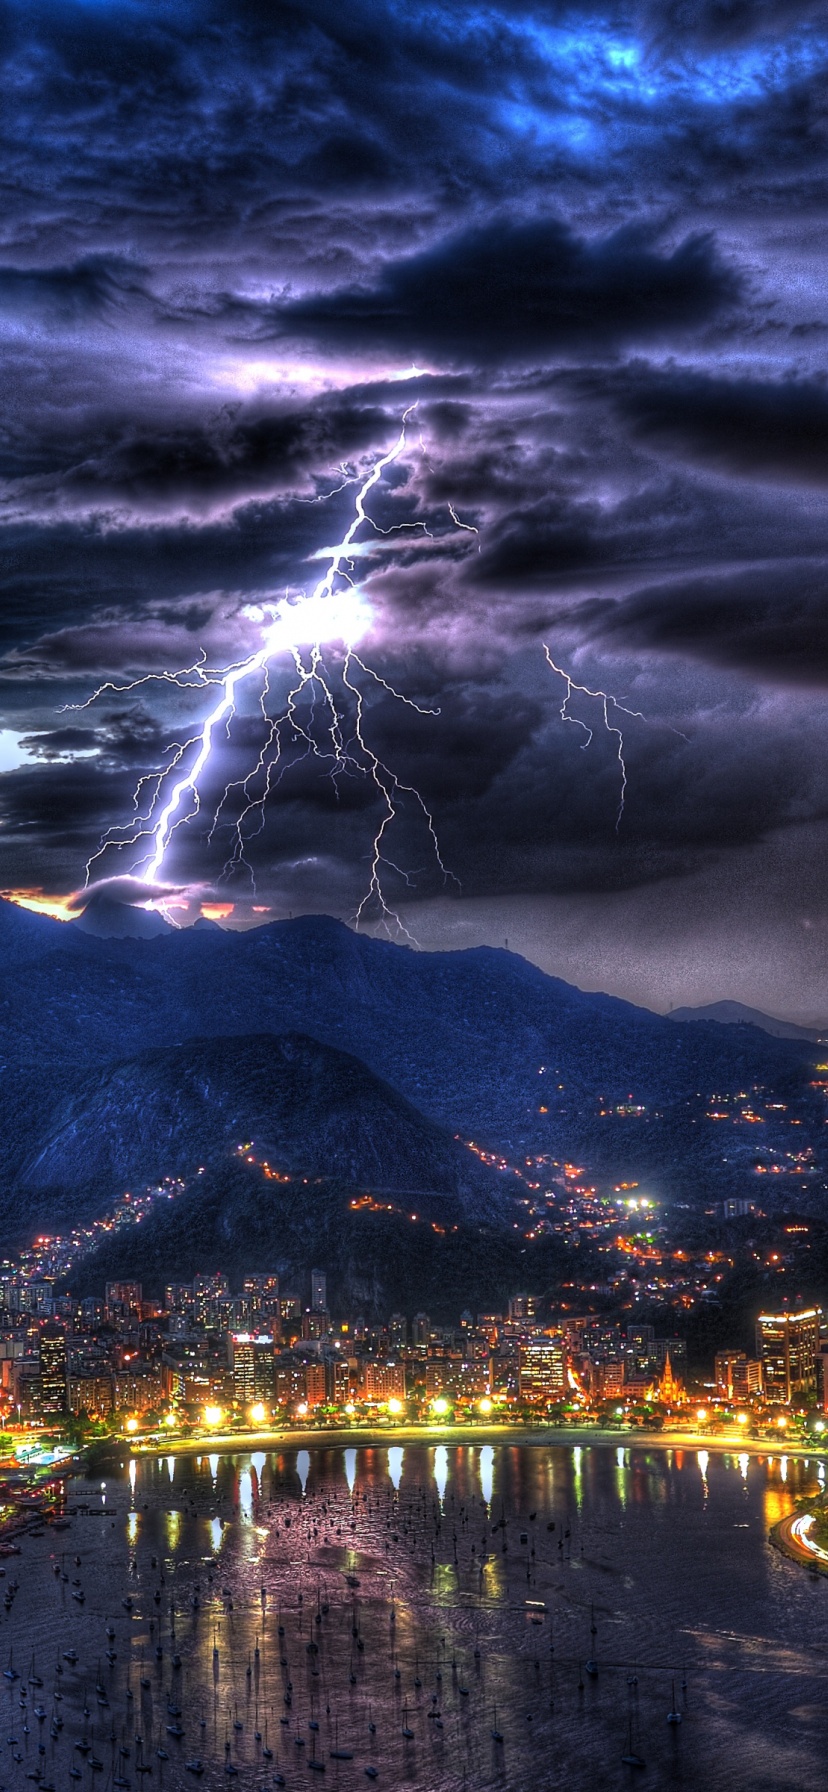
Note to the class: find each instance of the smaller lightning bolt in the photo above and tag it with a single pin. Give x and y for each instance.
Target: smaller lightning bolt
(605, 698)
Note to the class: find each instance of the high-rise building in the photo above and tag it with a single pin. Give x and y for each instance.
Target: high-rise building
(53, 1373)
(262, 1295)
(738, 1376)
(383, 1381)
(420, 1328)
(253, 1367)
(398, 1331)
(123, 1299)
(207, 1290)
(822, 1375)
(787, 1345)
(319, 1291)
(542, 1369)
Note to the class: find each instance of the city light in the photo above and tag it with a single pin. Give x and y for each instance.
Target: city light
(782, 1423)
(350, 1409)
(701, 1412)
(484, 1405)
(170, 1419)
(395, 1407)
(132, 1424)
(741, 1418)
(213, 1416)
(258, 1413)
(301, 1409)
(440, 1407)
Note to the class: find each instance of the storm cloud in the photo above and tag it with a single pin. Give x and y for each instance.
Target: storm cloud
(577, 247)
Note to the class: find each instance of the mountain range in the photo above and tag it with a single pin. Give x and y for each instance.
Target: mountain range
(362, 1066)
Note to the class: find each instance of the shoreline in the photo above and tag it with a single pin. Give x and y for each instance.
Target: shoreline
(363, 1437)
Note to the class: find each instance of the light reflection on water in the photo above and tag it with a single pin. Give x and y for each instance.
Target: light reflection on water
(664, 1551)
(487, 1457)
(441, 1471)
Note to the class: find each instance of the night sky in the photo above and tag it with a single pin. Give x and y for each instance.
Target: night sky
(239, 241)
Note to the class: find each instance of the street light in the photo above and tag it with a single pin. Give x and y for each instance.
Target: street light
(395, 1407)
(213, 1415)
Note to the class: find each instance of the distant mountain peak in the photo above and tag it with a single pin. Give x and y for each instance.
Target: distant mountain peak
(736, 1014)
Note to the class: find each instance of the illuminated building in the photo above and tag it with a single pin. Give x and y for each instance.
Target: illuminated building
(738, 1376)
(252, 1363)
(609, 1379)
(668, 1389)
(383, 1381)
(315, 1384)
(420, 1328)
(91, 1393)
(53, 1373)
(123, 1300)
(398, 1331)
(822, 1375)
(787, 1345)
(206, 1291)
(337, 1380)
(542, 1370)
(319, 1291)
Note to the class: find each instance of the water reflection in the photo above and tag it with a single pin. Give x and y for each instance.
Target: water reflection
(703, 1460)
(441, 1472)
(350, 1469)
(669, 1549)
(487, 1457)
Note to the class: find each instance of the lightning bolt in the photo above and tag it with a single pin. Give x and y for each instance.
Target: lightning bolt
(605, 698)
(170, 797)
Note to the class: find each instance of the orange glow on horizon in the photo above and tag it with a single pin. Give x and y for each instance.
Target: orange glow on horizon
(39, 904)
(217, 911)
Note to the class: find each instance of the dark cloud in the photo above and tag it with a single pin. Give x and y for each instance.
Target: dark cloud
(773, 429)
(68, 295)
(768, 621)
(515, 291)
(227, 235)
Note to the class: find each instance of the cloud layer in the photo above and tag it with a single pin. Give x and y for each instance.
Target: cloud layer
(236, 245)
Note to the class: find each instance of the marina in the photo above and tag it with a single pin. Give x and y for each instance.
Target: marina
(438, 1616)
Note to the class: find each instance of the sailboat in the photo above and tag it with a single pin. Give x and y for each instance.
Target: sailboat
(631, 1759)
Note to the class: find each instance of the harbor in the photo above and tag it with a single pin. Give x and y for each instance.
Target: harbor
(438, 1616)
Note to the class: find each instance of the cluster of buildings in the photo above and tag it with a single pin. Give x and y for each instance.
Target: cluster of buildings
(209, 1356)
